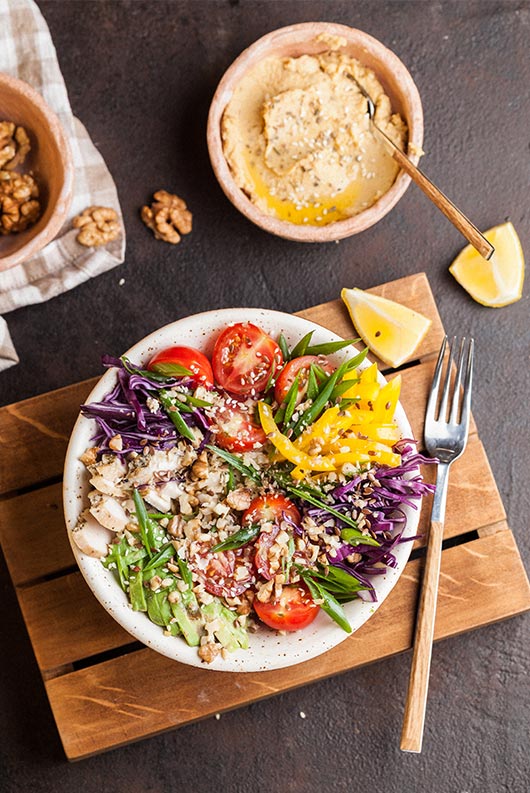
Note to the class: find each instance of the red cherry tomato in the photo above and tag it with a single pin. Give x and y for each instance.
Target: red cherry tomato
(271, 508)
(294, 609)
(237, 428)
(219, 576)
(291, 369)
(244, 359)
(191, 359)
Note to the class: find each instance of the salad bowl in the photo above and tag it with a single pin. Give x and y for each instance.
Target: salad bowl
(267, 649)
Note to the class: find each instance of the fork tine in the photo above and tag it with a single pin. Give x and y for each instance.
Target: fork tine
(453, 418)
(468, 384)
(445, 392)
(435, 386)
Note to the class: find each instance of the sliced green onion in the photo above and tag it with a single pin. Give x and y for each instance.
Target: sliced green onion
(284, 347)
(291, 399)
(239, 539)
(312, 385)
(171, 369)
(173, 413)
(329, 604)
(330, 347)
(235, 462)
(302, 494)
(302, 346)
(185, 572)
(163, 555)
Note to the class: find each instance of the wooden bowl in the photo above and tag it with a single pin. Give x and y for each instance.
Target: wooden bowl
(294, 41)
(49, 160)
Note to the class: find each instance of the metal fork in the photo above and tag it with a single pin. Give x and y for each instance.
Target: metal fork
(445, 438)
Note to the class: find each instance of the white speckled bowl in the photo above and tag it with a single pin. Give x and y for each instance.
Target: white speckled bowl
(267, 649)
(294, 41)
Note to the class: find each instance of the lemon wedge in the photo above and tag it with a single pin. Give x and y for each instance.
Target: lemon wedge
(393, 332)
(498, 282)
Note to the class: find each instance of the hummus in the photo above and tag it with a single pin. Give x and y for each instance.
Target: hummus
(298, 139)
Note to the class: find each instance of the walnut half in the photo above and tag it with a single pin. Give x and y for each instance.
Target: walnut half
(14, 145)
(98, 225)
(19, 207)
(167, 216)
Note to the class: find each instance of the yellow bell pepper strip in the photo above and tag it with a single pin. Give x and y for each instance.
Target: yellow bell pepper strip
(388, 434)
(369, 375)
(374, 450)
(356, 457)
(286, 448)
(366, 391)
(329, 426)
(386, 402)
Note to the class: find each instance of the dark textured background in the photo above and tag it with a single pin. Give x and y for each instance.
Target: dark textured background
(141, 76)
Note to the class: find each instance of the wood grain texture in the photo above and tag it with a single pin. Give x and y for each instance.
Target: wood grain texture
(33, 546)
(34, 435)
(105, 704)
(414, 718)
(66, 623)
(108, 705)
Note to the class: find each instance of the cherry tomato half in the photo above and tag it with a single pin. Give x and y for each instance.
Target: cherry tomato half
(271, 508)
(190, 358)
(291, 369)
(219, 575)
(294, 609)
(244, 358)
(237, 428)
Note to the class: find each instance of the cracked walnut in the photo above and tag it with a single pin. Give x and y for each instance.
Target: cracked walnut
(168, 217)
(19, 207)
(14, 145)
(98, 225)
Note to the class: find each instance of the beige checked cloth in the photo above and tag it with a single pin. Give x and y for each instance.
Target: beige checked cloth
(27, 52)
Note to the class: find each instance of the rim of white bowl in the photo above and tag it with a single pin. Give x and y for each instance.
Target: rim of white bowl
(267, 650)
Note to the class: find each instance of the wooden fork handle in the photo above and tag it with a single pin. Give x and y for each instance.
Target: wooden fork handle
(414, 718)
(444, 204)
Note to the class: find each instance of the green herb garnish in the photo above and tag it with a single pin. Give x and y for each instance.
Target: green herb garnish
(284, 347)
(235, 462)
(302, 346)
(174, 414)
(329, 347)
(329, 603)
(239, 539)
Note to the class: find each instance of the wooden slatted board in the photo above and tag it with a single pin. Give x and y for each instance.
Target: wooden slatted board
(94, 671)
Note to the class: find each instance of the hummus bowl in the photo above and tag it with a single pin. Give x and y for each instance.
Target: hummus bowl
(267, 649)
(313, 39)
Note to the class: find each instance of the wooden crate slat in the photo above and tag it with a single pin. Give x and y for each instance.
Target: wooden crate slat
(107, 705)
(413, 291)
(34, 435)
(33, 534)
(66, 623)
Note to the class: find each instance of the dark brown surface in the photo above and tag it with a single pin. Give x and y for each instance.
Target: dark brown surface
(140, 76)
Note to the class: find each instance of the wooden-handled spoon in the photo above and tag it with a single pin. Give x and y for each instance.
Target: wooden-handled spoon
(457, 218)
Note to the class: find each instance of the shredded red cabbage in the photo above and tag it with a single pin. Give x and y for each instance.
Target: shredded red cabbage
(124, 411)
(384, 494)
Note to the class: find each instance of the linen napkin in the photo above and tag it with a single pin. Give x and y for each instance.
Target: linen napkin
(27, 52)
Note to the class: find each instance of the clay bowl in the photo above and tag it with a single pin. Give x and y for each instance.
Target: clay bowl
(50, 161)
(294, 41)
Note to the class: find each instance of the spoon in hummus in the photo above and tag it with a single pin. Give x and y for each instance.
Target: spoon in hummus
(457, 218)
